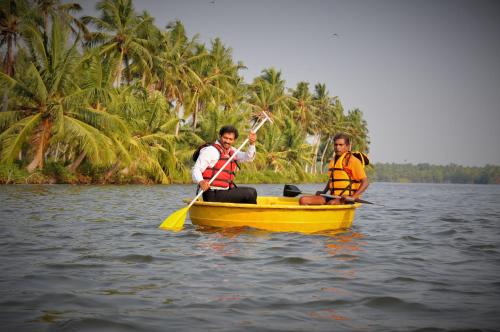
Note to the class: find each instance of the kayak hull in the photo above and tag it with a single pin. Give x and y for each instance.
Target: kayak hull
(277, 214)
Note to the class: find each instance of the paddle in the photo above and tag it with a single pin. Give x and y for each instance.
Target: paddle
(175, 221)
(291, 191)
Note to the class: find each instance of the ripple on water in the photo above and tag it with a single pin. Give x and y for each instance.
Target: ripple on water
(70, 273)
(489, 249)
(394, 303)
(447, 232)
(95, 324)
(402, 280)
(289, 260)
(452, 219)
(240, 258)
(411, 238)
(135, 258)
(139, 234)
(74, 266)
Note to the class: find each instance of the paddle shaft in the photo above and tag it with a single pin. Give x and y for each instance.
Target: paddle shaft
(336, 196)
(229, 160)
(324, 195)
(358, 200)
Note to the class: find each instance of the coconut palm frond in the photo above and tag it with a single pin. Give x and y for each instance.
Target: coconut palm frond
(33, 38)
(35, 86)
(157, 137)
(8, 118)
(12, 139)
(121, 150)
(104, 121)
(152, 167)
(6, 82)
(170, 125)
(98, 147)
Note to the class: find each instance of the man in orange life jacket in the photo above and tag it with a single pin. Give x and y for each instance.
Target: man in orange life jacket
(210, 161)
(346, 175)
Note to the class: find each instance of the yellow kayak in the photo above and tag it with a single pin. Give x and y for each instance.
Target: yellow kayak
(277, 214)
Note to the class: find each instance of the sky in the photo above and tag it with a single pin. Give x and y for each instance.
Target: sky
(425, 74)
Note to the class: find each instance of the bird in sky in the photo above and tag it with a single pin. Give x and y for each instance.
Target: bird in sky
(212, 2)
(335, 35)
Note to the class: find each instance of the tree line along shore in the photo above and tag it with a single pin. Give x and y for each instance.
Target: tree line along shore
(117, 99)
(379, 172)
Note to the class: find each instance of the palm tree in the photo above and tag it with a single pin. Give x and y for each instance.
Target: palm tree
(149, 32)
(53, 8)
(216, 117)
(229, 81)
(120, 37)
(303, 108)
(267, 94)
(202, 85)
(284, 149)
(334, 121)
(304, 112)
(152, 149)
(357, 128)
(172, 66)
(44, 105)
(323, 121)
(12, 15)
(11, 21)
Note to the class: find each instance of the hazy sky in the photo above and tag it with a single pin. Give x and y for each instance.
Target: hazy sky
(426, 74)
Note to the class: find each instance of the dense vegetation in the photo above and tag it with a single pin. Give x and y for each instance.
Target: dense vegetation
(116, 99)
(489, 174)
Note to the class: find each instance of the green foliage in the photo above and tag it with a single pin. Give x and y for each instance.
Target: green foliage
(12, 173)
(59, 173)
(452, 173)
(115, 99)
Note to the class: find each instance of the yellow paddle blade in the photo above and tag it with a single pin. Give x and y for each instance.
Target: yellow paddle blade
(175, 221)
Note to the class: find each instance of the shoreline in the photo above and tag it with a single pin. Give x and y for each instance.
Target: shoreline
(393, 173)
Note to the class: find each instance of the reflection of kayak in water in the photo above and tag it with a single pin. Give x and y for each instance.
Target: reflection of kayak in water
(277, 214)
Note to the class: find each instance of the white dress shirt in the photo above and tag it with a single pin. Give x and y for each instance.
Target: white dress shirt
(210, 155)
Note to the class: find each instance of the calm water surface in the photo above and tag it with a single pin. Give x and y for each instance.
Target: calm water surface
(91, 258)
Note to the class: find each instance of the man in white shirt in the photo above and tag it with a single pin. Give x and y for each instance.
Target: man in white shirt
(210, 161)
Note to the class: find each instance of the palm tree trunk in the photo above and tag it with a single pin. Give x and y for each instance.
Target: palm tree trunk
(5, 101)
(8, 68)
(127, 70)
(45, 22)
(195, 115)
(118, 75)
(74, 165)
(112, 171)
(56, 153)
(315, 155)
(178, 125)
(43, 139)
(324, 152)
(9, 59)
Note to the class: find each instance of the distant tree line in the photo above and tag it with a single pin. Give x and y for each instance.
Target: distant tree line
(426, 173)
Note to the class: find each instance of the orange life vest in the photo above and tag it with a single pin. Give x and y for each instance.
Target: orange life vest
(340, 177)
(226, 178)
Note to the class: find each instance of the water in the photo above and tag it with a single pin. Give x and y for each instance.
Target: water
(91, 258)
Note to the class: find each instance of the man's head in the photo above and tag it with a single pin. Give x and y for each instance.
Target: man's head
(342, 144)
(228, 134)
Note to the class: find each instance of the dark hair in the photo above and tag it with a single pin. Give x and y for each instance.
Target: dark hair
(229, 129)
(343, 136)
